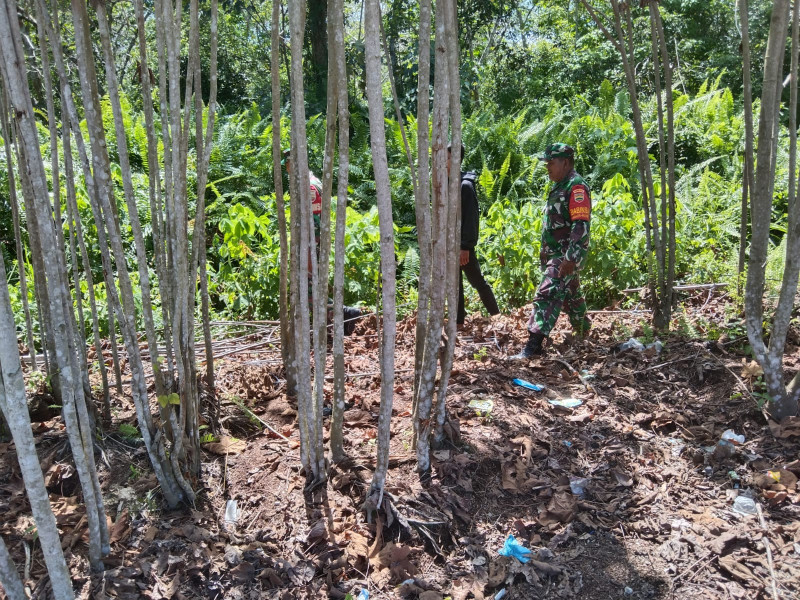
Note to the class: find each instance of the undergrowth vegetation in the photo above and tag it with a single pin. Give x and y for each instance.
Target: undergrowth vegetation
(242, 230)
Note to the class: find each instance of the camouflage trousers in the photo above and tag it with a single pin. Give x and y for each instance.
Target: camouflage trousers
(555, 293)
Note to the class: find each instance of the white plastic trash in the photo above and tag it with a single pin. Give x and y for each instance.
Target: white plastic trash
(566, 402)
(632, 344)
(730, 436)
(744, 505)
(231, 512)
(482, 404)
(578, 485)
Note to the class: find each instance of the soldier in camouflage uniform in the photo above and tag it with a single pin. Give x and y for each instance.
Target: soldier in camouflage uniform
(565, 244)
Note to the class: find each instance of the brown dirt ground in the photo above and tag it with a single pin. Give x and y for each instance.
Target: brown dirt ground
(655, 520)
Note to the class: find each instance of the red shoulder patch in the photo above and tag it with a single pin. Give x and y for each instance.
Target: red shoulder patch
(580, 204)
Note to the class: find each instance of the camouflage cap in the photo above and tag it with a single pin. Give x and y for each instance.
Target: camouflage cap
(557, 150)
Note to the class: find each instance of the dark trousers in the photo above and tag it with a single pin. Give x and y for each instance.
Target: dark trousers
(473, 272)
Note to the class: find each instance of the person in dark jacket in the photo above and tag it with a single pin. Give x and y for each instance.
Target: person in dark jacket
(470, 226)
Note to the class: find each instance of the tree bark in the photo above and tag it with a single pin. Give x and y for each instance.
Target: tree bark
(37, 262)
(287, 346)
(423, 195)
(127, 185)
(453, 214)
(77, 239)
(13, 403)
(372, 26)
(322, 252)
(423, 421)
(98, 195)
(336, 49)
(748, 175)
(74, 407)
(311, 448)
(9, 577)
(784, 400)
(203, 146)
(13, 201)
(154, 195)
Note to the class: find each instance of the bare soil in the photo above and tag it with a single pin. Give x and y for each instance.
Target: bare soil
(628, 495)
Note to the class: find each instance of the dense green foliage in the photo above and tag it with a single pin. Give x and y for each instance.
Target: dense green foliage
(531, 74)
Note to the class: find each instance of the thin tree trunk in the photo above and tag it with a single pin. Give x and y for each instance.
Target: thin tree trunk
(670, 242)
(13, 404)
(9, 576)
(623, 41)
(199, 257)
(372, 25)
(662, 153)
(154, 194)
(323, 259)
(166, 283)
(37, 262)
(12, 198)
(785, 398)
(423, 422)
(153, 443)
(423, 196)
(187, 421)
(80, 340)
(784, 401)
(127, 186)
(74, 406)
(76, 237)
(668, 169)
(51, 122)
(311, 450)
(287, 346)
(112, 337)
(748, 178)
(336, 50)
(453, 214)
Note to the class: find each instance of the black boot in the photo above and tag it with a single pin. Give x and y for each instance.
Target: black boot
(532, 348)
(351, 318)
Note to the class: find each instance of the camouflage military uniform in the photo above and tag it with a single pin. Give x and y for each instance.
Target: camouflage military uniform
(565, 237)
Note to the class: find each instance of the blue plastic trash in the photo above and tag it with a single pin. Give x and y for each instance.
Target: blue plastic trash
(512, 547)
(364, 595)
(527, 384)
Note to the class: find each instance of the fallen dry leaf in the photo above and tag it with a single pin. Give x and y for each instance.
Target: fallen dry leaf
(622, 478)
(560, 509)
(751, 370)
(733, 566)
(226, 445)
(788, 427)
(120, 527)
(357, 548)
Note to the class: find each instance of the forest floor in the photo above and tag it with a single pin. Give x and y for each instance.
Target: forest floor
(628, 495)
